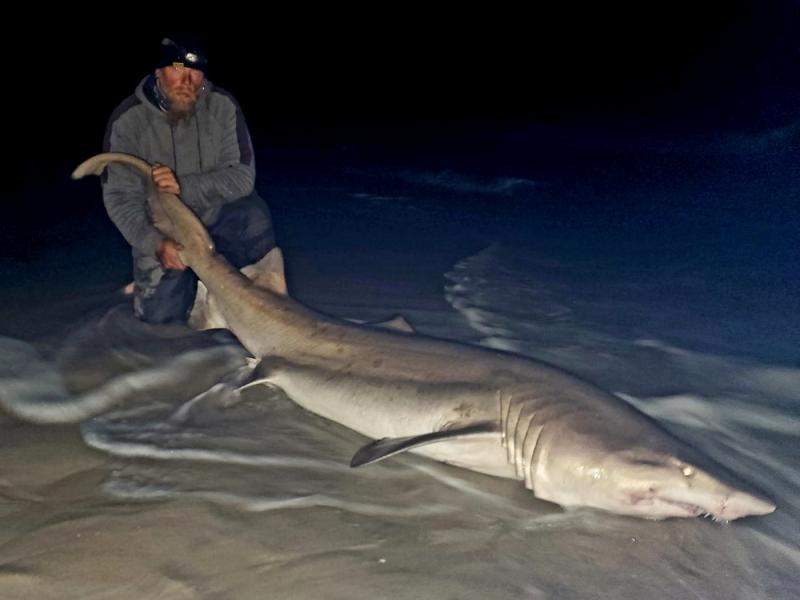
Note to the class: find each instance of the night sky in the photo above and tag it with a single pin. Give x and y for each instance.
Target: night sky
(396, 73)
(405, 65)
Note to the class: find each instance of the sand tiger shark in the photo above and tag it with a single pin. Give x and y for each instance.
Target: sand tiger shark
(481, 409)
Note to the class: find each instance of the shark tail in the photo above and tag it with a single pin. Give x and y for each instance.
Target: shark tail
(97, 164)
(170, 215)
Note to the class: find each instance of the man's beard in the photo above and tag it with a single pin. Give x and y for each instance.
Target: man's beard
(180, 106)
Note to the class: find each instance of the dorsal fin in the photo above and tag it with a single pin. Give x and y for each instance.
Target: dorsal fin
(268, 272)
(396, 323)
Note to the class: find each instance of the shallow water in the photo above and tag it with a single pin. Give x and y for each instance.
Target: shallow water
(195, 492)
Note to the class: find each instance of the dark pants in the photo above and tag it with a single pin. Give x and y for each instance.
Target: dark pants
(242, 233)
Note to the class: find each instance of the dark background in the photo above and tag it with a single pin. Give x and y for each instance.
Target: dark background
(395, 73)
(316, 75)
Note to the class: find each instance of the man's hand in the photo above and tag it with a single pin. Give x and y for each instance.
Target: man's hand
(165, 179)
(168, 255)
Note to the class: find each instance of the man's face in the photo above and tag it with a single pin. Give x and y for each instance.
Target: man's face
(181, 86)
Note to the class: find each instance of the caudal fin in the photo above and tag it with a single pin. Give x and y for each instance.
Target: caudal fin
(96, 164)
(170, 215)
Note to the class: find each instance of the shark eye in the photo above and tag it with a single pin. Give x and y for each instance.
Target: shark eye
(687, 471)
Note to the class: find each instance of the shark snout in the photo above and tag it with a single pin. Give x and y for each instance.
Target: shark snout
(742, 504)
(701, 494)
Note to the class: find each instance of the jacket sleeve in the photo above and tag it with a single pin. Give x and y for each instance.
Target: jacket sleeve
(125, 192)
(235, 175)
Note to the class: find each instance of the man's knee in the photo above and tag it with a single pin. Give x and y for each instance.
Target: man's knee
(162, 296)
(243, 233)
(158, 312)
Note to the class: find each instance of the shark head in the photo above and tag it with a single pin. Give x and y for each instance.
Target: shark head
(650, 484)
(659, 486)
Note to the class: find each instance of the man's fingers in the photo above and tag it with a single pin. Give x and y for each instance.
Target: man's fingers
(174, 263)
(166, 186)
(169, 257)
(175, 258)
(165, 180)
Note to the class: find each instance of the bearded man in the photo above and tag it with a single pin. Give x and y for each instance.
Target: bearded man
(196, 137)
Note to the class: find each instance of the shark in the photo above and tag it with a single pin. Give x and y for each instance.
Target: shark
(491, 411)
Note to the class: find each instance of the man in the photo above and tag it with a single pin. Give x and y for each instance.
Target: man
(196, 137)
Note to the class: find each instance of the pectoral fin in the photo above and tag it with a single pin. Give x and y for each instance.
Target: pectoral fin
(386, 447)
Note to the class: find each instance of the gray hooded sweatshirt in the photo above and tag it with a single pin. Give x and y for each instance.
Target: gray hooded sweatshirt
(210, 152)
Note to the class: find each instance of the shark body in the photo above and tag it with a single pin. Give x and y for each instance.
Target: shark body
(490, 411)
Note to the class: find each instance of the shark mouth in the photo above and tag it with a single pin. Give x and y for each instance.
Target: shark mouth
(690, 510)
(723, 507)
